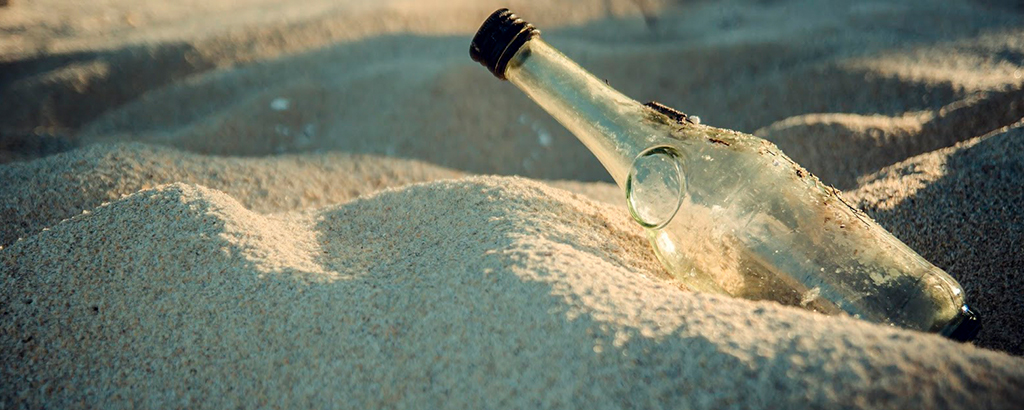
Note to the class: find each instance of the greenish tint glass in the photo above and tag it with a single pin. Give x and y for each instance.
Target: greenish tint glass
(729, 213)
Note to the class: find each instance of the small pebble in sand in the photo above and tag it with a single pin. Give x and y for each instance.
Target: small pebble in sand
(280, 104)
(544, 138)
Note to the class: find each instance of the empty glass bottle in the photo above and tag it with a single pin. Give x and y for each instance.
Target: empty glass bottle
(725, 211)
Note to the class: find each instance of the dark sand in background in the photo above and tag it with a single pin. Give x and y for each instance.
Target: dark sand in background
(319, 277)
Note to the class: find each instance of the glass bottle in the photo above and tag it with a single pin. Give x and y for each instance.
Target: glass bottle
(728, 212)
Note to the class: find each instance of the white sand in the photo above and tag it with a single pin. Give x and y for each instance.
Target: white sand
(491, 290)
(312, 274)
(962, 207)
(64, 185)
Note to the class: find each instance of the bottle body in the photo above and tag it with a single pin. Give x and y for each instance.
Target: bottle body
(728, 212)
(749, 222)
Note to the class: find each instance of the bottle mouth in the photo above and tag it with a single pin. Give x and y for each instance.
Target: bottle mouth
(655, 186)
(964, 327)
(499, 38)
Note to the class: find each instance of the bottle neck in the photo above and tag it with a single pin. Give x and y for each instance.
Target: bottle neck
(610, 124)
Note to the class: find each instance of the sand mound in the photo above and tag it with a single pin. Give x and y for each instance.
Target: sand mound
(62, 63)
(61, 186)
(926, 97)
(365, 97)
(963, 209)
(840, 148)
(359, 85)
(497, 291)
(50, 190)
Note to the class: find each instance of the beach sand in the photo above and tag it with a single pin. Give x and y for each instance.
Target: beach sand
(266, 204)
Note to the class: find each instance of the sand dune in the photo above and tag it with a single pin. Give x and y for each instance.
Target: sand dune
(488, 294)
(824, 143)
(962, 208)
(413, 93)
(65, 185)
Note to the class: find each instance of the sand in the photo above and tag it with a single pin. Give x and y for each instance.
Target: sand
(486, 294)
(265, 204)
(65, 185)
(962, 208)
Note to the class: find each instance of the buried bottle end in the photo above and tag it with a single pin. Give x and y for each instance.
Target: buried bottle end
(964, 327)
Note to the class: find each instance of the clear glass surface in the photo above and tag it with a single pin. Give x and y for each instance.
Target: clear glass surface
(728, 212)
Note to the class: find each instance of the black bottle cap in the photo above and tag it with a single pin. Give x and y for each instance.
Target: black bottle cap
(966, 328)
(498, 39)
